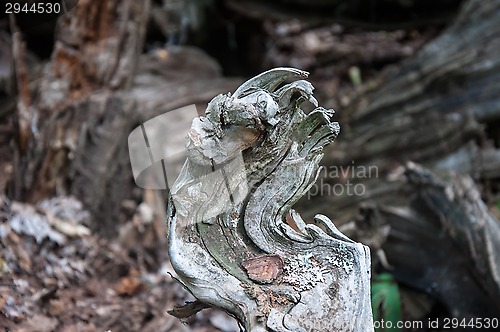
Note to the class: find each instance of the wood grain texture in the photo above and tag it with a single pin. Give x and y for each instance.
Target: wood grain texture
(228, 239)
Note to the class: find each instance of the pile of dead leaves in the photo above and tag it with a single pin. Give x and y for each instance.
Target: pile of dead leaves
(57, 276)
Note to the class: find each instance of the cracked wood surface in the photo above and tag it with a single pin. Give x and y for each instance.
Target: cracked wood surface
(252, 156)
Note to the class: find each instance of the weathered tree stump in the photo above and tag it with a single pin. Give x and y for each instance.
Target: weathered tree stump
(234, 240)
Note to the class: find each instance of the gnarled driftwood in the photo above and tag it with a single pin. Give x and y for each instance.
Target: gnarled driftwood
(250, 158)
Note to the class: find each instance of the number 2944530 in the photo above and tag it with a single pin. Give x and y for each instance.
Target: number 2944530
(32, 7)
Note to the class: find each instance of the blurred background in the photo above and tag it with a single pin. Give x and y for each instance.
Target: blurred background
(414, 174)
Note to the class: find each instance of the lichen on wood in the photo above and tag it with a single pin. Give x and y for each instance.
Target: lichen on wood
(252, 156)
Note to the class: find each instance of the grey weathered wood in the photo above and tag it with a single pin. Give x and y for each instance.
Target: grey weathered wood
(250, 158)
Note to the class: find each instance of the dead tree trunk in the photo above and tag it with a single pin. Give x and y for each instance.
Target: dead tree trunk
(250, 158)
(81, 118)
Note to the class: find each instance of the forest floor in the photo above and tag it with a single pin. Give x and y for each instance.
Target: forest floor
(57, 276)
